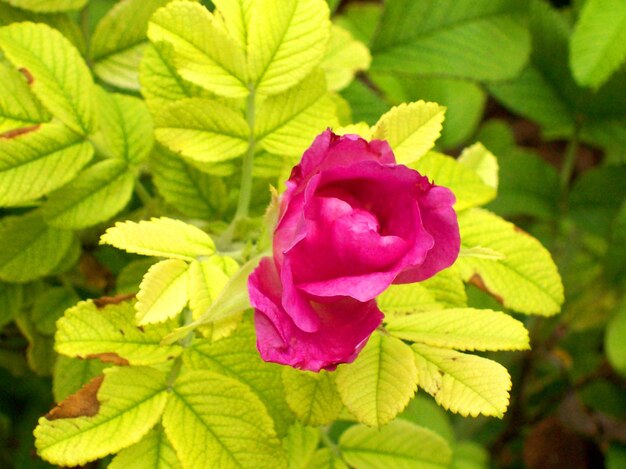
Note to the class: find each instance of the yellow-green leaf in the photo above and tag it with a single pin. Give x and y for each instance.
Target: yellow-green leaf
(118, 42)
(154, 451)
(96, 195)
(203, 53)
(344, 57)
(447, 288)
(525, 280)
(163, 292)
(215, 421)
(313, 397)
(411, 129)
(286, 40)
(36, 162)
(61, 80)
(18, 106)
(406, 299)
(125, 127)
(71, 374)
(300, 444)
(161, 237)
(462, 383)
(462, 329)
(237, 356)
(482, 162)
(87, 330)
(380, 382)
(48, 6)
(31, 248)
(129, 403)
(468, 187)
(399, 445)
(287, 123)
(203, 130)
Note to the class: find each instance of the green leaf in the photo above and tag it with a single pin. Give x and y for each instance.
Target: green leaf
(110, 332)
(447, 288)
(61, 80)
(401, 445)
(237, 356)
(49, 306)
(97, 194)
(424, 37)
(313, 397)
(36, 162)
(614, 340)
(48, 6)
(529, 185)
(287, 123)
(154, 451)
(462, 329)
(469, 455)
(116, 51)
(10, 302)
(325, 458)
(466, 184)
(160, 82)
(31, 248)
(129, 403)
(300, 445)
(598, 43)
(131, 275)
(18, 106)
(161, 237)
(213, 420)
(231, 301)
(366, 105)
(286, 40)
(344, 58)
(380, 382)
(40, 355)
(203, 130)
(360, 19)
(411, 129)
(462, 383)
(482, 162)
(203, 53)
(193, 192)
(526, 280)
(207, 279)
(464, 101)
(424, 412)
(71, 374)
(125, 125)
(163, 292)
(406, 299)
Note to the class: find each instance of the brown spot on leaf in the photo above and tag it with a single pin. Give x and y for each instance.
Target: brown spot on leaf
(109, 357)
(96, 274)
(478, 282)
(29, 77)
(83, 403)
(17, 132)
(112, 300)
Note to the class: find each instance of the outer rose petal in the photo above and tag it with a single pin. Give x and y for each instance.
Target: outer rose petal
(345, 326)
(439, 219)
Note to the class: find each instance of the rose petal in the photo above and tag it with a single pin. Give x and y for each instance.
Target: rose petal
(346, 325)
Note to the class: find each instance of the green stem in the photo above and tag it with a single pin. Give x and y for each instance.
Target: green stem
(185, 342)
(143, 194)
(568, 163)
(245, 193)
(329, 443)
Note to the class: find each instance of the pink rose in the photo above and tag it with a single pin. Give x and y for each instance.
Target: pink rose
(351, 223)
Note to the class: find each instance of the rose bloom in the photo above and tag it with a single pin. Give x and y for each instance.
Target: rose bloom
(351, 223)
